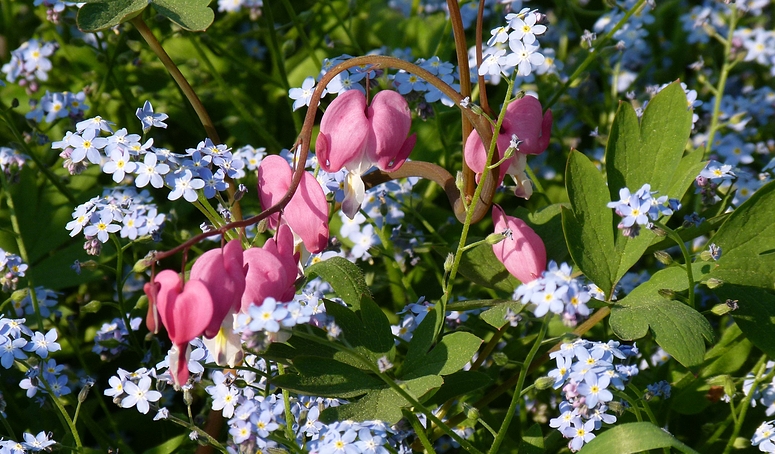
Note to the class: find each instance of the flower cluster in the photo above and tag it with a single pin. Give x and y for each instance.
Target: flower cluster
(710, 178)
(46, 299)
(130, 389)
(641, 208)
(557, 292)
(764, 437)
(11, 269)
(33, 443)
(514, 46)
(53, 106)
(11, 162)
(30, 63)
(44, 375)
(120, 210)
(585, 370)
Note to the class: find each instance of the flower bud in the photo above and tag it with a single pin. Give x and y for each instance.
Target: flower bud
(544, 383)
(85, 390)
(663, 257)
(19, 295)
(497, 237)
(500, 359)
(714, 283)
(448, 262)
(92, 307)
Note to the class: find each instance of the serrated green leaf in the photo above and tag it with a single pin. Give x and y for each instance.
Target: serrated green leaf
(192, 15)
(532, 441)
(496, 315)
(448, 356)
(99, 15)
(384, 405)
(344, 276)
(676, 327)
(480, 265)
(631, 438)
(328, 378)
(462, 382)
(588, 224)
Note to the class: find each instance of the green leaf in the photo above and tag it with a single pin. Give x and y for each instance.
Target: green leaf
(448, 356)
(588, 224)
(168, 446)
(496, 315)
(192, 15)
(99, 15)
(480, 265)
(532, 441)
(676, 327)
(747, 241)
(649, 152)
(462, 382)
(631, 438)
(755, 314)
(344, 276)
(422, 341)
(357, 332)
(547, 223)
(384, 405)
(328, 378)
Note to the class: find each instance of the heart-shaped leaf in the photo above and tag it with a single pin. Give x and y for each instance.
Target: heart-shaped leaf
(192, 15)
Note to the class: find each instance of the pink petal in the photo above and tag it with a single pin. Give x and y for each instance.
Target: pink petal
(524, 254)
(222, 271)
(167, 287)
(274, 179)
(526, 121)
(476, 155)
(184, 313)
(390, 120)
(344, 130)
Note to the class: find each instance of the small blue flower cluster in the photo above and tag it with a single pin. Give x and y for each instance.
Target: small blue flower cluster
(111, 339)
(710, 178)
(30, 63)
(45, 376)
(11, 269)
(584, 371)
(46, 299)
(234, 6)
(557, 292)
(120, 209)
(407, 83)
(414, 313)
(53, 106)
(11, 162)
(33, 443)
(514, 46)
(130, 389)
(641, 208)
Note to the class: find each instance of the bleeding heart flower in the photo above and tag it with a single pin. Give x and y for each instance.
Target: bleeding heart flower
(524, 127)
(306, 213)
(272, 270)
(522, 252)
(185, 311)
(356, 137)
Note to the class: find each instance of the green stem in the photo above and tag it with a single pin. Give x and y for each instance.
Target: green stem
(302, 34)
(518, 390)
(69, 423)
(137, 346)
(722, 81)
(761, 365)
(287, 405)
(687, 258)
(593, 54)
(210, 440)
(420, 431)
(157, 48)
(471, 209)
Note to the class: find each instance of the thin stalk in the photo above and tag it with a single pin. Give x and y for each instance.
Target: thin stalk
(70, 425)
(301, 32)
(287, 405)
(687, 258)
(593, 54)
(210, 440)
(722, 81)
(518, 390)
(189, 92)
(119, 290)
(420, 431)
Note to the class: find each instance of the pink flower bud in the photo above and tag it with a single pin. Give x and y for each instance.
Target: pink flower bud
(523, 252)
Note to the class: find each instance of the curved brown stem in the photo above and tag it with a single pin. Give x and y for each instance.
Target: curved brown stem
(480, 79)
(461, 49)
